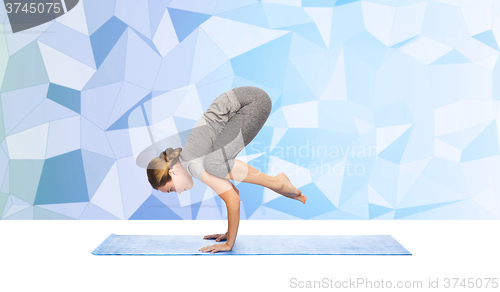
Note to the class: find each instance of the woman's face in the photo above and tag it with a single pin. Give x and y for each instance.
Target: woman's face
(181, 180)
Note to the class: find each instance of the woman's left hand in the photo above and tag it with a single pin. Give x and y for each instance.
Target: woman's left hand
(216, 247)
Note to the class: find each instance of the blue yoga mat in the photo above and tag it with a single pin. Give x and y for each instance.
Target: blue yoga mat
(253, 245)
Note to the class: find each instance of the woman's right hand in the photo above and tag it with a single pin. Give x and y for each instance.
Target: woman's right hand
(218, 237)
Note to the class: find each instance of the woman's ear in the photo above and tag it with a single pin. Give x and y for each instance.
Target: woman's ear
(172, 171)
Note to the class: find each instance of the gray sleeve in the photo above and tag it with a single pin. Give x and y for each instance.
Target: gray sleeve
(196, 167)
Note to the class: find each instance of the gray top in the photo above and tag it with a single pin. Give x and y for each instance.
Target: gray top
(200, 140)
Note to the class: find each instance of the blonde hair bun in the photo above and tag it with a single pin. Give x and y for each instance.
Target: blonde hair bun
(171, 155)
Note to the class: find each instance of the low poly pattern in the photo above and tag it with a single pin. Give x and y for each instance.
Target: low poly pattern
(382, 109)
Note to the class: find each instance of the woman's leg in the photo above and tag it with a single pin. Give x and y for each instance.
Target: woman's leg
(245, 173)
(279, 183)
(236, 135)
(239, 131)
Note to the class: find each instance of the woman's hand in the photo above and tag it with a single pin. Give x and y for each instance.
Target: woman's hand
(216, 247)
(218, 237)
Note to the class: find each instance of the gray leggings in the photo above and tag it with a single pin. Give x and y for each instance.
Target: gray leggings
(239, 131)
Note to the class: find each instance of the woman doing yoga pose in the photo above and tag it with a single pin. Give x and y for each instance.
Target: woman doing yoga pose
(228, 125)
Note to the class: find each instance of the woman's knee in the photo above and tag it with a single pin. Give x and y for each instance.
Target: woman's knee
(268, 102)
(254, 93)
(264, 99)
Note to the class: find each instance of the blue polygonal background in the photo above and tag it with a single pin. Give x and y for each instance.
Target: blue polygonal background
(382, 109)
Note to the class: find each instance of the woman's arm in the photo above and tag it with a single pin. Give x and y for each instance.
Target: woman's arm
(225, 190)
(233, 215)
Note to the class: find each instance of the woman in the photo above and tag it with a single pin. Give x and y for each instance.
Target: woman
(227, 126)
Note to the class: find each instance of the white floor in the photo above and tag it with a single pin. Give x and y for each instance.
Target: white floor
(56, 256)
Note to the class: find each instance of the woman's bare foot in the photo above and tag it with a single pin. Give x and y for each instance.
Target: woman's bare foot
(288, 190)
